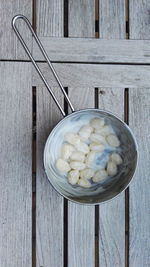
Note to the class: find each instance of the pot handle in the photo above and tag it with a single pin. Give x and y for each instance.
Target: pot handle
(15, 18)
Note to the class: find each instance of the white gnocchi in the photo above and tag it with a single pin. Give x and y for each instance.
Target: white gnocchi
(73, 177)
(66, 151)
(82, 152)
(85, 132)
(116, 158)
(104, 131)
(113, 140)
(111, 168)
(77, 155)
(72, 138)
(82, 147)
(97, 123)
(77, 165)
(97, 147)
(62, 165)
(97, 138)
(86, 173)
(100, 176)
(90, 158)
(84, 183)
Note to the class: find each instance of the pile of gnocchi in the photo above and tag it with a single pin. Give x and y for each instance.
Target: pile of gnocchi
(79, 150)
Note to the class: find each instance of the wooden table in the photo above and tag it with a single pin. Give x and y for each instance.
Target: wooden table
(103, 62)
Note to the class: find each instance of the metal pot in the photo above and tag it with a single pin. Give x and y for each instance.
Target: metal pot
(100, 192)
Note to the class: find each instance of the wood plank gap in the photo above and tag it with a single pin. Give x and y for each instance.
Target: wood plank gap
(126, 119)
(96, 18)
(33, 176)
(127, 18)
(97, 206)
(66, 206)
(65, 18)
(34, 14)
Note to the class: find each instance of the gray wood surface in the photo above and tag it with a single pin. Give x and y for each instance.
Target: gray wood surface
(49, 204)
(81, 18)
(139, 255)
(97, 75)
(10, 46)
(112, 19)
(112, 214)
(81, 219)
(15, 164)
(50, 18)
(81, 226)
(95, 50)
(139, 188)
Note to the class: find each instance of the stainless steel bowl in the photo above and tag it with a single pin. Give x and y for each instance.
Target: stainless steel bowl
(103, 191)
(100, 192)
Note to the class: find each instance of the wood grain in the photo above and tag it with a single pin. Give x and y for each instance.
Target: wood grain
(139, 188)
(10, 46)
(112, 214)
(94, 75)
(112, 19)
(139, 18)
(15, 164)
(49, 204)
(95, 50)
(139, 255)
(50, 18)
(81, 18)
(81, 219)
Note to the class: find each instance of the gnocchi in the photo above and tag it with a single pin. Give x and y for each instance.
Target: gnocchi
(94, 137)
(97, 123)
(82, 152)
(77, 165)
(97, 147)
(111, 168)
(66, 151)
(90, 158)
(62, 165)
(77, 155)
(113, 140)
(86, 173)
(85, 132)
(73, 177)
(84, 183)
(100, 176)
(116, 158)
(72, 138)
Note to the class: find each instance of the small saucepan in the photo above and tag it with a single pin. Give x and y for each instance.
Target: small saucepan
(100, 192)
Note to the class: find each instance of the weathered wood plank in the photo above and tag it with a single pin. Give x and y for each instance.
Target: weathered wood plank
(139, 24)
(139, 99)
(112, 19)
(112, 214)
(140, 204)
(81, 218)
(81, 234)
(94, 75)
(50, 18)
(10, 46)
(49, 204)
(81, 18)
(15, 164)
(95, 50)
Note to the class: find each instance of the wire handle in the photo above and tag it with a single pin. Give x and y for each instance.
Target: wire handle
(15, 18)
